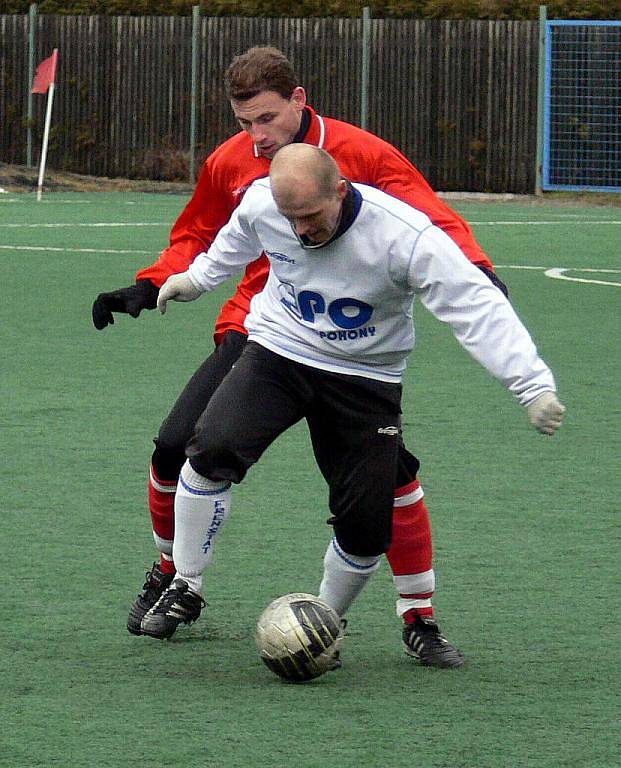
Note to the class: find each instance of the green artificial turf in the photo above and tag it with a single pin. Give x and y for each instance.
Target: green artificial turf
(525, 527)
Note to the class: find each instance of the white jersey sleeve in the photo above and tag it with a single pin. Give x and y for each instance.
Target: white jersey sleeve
(235, 246)
(481, 318)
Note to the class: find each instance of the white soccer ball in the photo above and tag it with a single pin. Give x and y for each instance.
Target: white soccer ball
(298, 637)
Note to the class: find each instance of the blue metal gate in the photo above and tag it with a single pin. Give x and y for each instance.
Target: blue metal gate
(582, 106)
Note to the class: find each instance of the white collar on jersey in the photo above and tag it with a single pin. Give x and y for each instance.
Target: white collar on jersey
(320, 143)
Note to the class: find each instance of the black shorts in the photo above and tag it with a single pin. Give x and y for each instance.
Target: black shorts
(178, 427)
(354, 424)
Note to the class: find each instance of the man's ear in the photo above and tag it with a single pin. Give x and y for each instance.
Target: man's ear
(341, 188)
(298, 97)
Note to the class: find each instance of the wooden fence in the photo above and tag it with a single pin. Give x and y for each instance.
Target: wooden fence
(458, 97)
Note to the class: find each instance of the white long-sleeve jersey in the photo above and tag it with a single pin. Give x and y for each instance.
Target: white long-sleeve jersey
(347, 306)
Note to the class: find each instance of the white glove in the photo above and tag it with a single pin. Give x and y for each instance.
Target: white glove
(546, 413)
(177, 288)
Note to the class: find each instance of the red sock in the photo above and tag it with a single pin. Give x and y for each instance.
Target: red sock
(411, 552)
(162, 509)
(167, 564)
(410, 615)
(411, 549)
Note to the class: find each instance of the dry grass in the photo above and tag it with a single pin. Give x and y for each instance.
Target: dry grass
(19, 178)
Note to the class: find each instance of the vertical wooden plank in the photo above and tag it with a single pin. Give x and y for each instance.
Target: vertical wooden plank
(458, 97)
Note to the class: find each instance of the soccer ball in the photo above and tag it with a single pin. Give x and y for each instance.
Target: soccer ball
(298, 637)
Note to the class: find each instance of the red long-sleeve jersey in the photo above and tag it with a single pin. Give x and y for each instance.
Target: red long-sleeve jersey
(234, 165)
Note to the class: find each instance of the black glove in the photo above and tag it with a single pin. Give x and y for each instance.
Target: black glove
(493, 277)
(131, 301)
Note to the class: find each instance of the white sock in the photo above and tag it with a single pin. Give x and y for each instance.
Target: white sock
(419, 587)
(344, 576)
(201, 508)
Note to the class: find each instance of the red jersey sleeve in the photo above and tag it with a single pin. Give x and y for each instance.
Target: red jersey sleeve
(208, 210)
(224, 178)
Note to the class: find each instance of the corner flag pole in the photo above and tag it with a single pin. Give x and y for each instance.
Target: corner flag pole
(44, 82)
(46, 134)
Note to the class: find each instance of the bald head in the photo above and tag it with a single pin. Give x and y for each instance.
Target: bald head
(308, 190)
(301, 164)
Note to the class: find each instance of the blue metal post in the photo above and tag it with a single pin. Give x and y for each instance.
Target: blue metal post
(364, 79)
(196, 11)
(543, 17)
(32, 21)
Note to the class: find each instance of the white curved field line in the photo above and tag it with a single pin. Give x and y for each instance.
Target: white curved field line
(558, 273)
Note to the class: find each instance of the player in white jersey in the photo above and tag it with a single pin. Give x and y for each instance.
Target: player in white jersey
(328, 341)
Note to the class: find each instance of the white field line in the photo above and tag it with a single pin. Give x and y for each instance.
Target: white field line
(562, 269)
(66, 250)
(88, 225)
(597, 222)
(558, 273)
(75, 202)
(55, 202)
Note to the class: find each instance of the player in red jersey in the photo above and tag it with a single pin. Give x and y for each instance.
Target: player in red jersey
(271, 108)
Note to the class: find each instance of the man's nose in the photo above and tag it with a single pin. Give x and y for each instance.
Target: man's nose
(301, 227)
(258, 133)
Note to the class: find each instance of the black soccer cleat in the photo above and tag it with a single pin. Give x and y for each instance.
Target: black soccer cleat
(177, 605)
(156, 582)
(423, 641)
(336, 656)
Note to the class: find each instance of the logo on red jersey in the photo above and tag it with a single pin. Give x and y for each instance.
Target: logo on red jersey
(240, 191)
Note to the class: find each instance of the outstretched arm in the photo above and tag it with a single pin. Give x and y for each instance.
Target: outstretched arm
(205, 213)
(131, 301)
(485, 324)
(235, 246)
(177, 288)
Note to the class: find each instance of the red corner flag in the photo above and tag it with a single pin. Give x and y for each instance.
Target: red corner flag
(44, 83)
(45, 74)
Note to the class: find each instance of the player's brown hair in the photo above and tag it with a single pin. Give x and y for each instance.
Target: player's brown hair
(259, 69)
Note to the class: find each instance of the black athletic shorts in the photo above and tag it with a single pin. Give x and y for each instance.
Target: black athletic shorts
(354, 424)
(178, 427)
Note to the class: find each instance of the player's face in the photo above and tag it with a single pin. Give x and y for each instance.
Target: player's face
(271, 120)
(313, 217)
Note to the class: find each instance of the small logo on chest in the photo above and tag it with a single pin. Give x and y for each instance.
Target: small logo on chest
(280, 257)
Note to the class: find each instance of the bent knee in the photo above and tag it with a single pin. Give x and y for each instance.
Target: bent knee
(167, 461)
(217, 462)
(362, 541)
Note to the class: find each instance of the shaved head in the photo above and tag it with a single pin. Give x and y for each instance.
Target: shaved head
(308, 189)
(302, 164)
